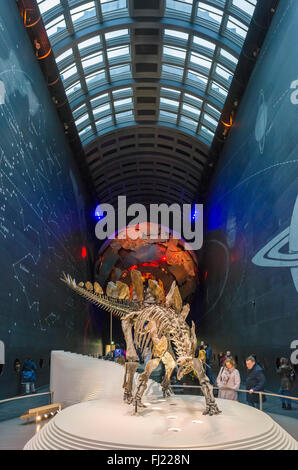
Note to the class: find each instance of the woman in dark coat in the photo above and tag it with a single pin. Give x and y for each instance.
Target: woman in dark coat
(285, 373)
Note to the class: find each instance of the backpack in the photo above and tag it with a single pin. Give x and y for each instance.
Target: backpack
(292, 375)
(202, 355)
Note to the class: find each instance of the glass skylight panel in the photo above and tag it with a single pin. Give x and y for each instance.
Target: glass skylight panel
(116, 34)
(82, 119)
(83, 132)
(99, 99)
(210, 119)
(78, 110)
(89, 42)
(56, 26)
(187, 122)
(92, 59)
(207, 131)
(200, 60)
(123, 92)
(125, 101)
(171, 69)
(125, 116)
(167, 116)
(171, 91)
(123, 69)
(248, 6)
(176, 34)
(69, 72)
(103, 122)
(85, 11)
(228, 56)
(237, 27)
(204, 43)
(117, 52)
(94, 78)
(191, 109)
(223, 72)
(196, 77)
(73, 88)
(193, 99)
(184, 6)
(212, 110)
(219, 89)
(64, 55)
(45, 5)
(102, 109)
(108, 6)
(209, 13)
(174, 52)
(167, 102)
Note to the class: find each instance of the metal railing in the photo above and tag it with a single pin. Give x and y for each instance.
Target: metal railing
(261, 393)
(29, 396)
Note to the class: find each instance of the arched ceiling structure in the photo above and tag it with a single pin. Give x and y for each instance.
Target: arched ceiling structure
(147, 81)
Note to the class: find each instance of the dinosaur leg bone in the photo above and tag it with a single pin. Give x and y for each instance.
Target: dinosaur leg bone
(131, 354)
(130, 370)
(207, 389)
(151, 365)
(170, 364)
(132, 358)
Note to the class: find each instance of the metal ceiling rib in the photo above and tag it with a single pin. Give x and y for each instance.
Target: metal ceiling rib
(160, 69)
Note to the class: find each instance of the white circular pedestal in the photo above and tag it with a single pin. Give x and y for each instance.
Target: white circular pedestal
(176, 423)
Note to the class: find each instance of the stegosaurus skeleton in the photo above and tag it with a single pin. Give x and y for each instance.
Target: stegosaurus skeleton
(158, 327)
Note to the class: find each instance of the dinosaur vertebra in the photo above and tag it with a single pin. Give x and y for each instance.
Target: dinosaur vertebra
(157, 327)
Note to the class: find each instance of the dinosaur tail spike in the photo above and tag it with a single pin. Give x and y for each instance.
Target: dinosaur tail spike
(107, 303)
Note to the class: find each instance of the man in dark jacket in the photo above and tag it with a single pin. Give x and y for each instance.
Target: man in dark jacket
(255, 381)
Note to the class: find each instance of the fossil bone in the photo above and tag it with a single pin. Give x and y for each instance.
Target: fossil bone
(163, 327)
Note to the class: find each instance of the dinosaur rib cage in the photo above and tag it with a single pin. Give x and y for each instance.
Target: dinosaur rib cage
(168, 324)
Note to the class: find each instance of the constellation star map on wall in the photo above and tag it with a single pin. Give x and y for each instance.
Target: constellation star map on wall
(39, 219)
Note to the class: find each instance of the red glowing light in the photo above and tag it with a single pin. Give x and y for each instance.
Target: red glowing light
(153, 264)
(84, 252)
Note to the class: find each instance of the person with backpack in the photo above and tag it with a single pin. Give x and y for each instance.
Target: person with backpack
(287, 378)
(202, 354)
(29, 375)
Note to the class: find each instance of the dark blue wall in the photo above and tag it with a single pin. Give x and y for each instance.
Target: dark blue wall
(42, 214)
(251, 243)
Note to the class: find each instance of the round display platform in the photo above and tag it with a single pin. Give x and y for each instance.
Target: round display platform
(174, 423)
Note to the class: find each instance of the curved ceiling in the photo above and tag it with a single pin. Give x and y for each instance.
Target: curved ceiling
(147, 81)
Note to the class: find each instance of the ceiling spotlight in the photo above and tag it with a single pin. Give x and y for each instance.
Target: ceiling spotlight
(236, 103)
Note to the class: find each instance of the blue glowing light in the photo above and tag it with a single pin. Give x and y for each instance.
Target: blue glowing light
(194, 214)
(99, 213)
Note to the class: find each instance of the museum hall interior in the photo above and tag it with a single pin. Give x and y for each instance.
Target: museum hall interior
(149, 226)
